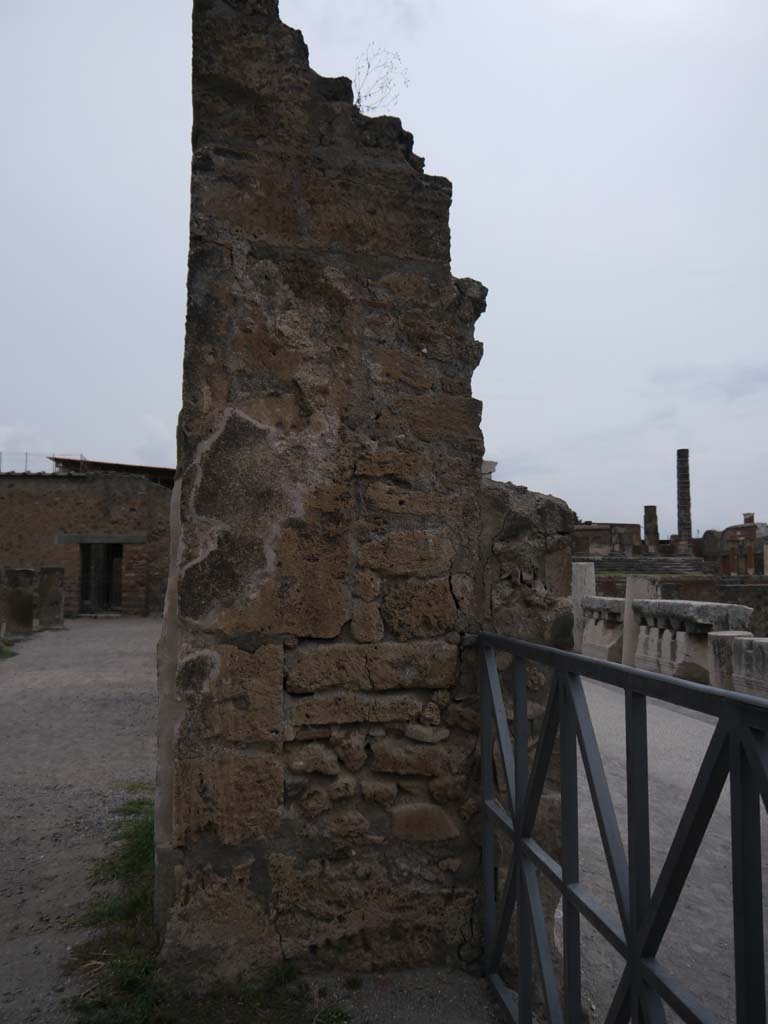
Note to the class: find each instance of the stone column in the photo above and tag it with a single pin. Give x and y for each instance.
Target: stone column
(683, 501)
(765, 559)
(637, 587)
(317, 729)
(651, 529)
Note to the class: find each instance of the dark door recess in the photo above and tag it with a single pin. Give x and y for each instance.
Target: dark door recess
(101, 577)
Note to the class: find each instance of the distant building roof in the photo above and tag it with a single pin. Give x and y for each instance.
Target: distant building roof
(163, 475)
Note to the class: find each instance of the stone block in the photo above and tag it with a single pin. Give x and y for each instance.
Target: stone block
(308, 758)
(720, 656)
(366, 586)
(420, 608)
(443, 418)
(381, 792)
(384, 666)
(409, 553)
(385, 496)
(235, 799)
(342, 708)
(246, 693)
(426, 733)
(401, 465)
(367, 626)
(350, 747)
(423, 823)
(750, 666)
(401, 758)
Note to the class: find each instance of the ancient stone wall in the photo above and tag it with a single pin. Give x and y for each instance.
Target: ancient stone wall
(330, 463)
(318, 713)
(43, 516)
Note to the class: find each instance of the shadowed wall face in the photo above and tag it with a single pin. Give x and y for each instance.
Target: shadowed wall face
(315, 746)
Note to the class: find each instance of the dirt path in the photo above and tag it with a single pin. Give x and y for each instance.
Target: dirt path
(77, 726)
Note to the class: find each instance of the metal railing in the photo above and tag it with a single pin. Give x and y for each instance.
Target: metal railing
(737, 750)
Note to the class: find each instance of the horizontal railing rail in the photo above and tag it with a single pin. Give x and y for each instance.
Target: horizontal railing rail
(511, 793)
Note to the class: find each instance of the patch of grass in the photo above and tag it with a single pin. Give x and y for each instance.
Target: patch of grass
(332, 1015)
(122, 980)
(140, 786)
(6, 651)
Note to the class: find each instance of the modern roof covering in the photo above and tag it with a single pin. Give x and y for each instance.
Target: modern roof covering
(159, 474)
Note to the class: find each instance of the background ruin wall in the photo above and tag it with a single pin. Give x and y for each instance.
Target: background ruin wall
(318, 717)
(43, 514)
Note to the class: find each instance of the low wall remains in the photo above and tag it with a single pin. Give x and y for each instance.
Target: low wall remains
(703, 641)
(672, 638)
(749, 590)
(31, 599)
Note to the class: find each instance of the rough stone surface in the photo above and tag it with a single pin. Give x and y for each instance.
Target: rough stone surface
(332, 537)
(423, 823)
(329, 467)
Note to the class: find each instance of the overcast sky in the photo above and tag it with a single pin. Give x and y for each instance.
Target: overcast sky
(610, 170)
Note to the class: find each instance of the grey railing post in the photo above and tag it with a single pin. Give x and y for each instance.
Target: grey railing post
(748, 942)
(569, 839)
(486, 785)
(524, 963)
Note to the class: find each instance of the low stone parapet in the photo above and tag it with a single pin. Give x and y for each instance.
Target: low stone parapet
(672, 638)
(686, 639)
(603, 627)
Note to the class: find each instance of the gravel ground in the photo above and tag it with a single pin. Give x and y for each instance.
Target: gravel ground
(434, 995)
(77, 726)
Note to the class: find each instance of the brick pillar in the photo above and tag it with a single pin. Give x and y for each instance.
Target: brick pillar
(651, 529)
(683, 501)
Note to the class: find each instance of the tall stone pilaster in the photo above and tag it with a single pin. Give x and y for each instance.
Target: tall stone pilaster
(317, 732)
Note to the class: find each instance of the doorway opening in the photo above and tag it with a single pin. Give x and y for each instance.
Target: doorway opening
(101, 577)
